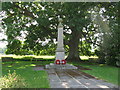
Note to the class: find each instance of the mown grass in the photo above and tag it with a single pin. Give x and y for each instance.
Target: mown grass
(37, 78)
(105, 72)
(34, 79)
(19, 56)
(44, 56)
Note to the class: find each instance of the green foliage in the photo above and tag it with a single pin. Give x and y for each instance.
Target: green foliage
(21, 17)
(33, 58)
(13, 47)
(109, 45)
(34, 79)
(47, 22)
(48, 49)
(7, 59)
(12, 81)
(30, 58)
(85, 49)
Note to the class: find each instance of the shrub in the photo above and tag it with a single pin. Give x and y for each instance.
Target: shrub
(118, 60)
(29, 58)
(12, 81)
(93, 60)
(5, 59)
(110, 60)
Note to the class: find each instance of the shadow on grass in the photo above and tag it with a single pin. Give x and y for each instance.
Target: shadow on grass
(35, 79)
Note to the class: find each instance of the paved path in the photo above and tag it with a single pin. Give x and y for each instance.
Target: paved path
(75, 79)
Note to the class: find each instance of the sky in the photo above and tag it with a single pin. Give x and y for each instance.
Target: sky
(2, 43)
(2, 31)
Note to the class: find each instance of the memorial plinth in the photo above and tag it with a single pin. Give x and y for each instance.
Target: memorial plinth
(60, 52)
(55, 66)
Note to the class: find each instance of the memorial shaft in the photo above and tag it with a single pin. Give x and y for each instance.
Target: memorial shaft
(60, 53)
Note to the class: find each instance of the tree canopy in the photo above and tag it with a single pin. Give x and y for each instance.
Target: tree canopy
(35, 22)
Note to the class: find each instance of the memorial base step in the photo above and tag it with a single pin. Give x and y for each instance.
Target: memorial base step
(55, 66)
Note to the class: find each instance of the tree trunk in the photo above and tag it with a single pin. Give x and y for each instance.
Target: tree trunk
(73, 47)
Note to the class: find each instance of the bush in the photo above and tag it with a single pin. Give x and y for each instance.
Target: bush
(27, 58)
(93, 60)
(12, 81)
(118, 60)
(5, 59)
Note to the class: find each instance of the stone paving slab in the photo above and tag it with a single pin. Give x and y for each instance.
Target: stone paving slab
(67, 81)
(99, 83)
(88, 83)
(75, 79)
(55, 82)
(104, 83)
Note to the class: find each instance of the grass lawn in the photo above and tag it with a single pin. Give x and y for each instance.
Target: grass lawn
(39, 79)
(21, 56)
(34, 79)
(105, 72)
(43, 56)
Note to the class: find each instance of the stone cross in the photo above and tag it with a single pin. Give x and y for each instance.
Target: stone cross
(60, 52)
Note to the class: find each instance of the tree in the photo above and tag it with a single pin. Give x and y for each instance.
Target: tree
(39, 21)
(109, 48)
(76, 19)
(46, 14)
